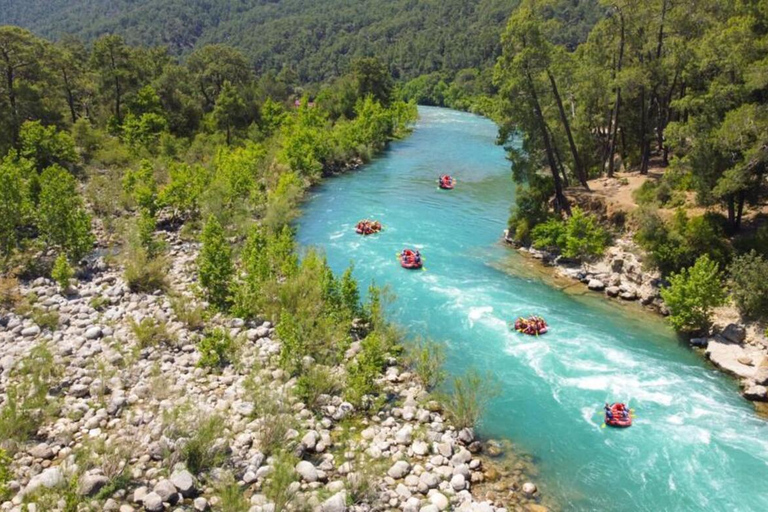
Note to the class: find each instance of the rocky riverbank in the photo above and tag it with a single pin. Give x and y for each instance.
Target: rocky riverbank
(736, 347)
(134, 423)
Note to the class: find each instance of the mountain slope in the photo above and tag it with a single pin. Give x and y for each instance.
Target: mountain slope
(317, 38)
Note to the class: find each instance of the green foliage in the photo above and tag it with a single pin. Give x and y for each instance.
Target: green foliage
(62, 272)
(150, 332)
(214, 264)
(749, 287)
(62, 219)
(14, 202)
(692, 294)
(27, 404)
(278, 487)
(350, 295)
(471, 394)
(45, 319)
(217, 349)
(677, 243)
(584, 237)
(184, 190)
(46, 146)
(5, 475)
(203, 449)
(144, 271)
(315, 382)
(367, 367)
(140, 185)
(427, 359)
(580, 236)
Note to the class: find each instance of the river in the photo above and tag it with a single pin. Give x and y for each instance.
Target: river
(695, 445)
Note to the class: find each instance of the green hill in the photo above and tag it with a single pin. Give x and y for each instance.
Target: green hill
(316, 38)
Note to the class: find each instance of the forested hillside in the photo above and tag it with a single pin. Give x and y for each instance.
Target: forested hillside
(316, 39)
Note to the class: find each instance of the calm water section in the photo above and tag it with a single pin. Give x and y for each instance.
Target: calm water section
(695, 445)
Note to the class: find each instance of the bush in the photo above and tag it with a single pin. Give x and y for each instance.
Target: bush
(278, 488)
(142, 271)
(5, 476)
(470, 397)
(14, 201)
(27, 405)
(215, 264)
(584, 237)
(62, 218)
(549, 235)
(151, 333)
(674, 245)
(62, 272)
(46, 146)
(692, 294)
(367, 367)
(749, 284)
(313, 383)
(9, 292)
(203, 449)
(427, 358)
(216, 349)
(580, 236)
(45, 319)
(191, 316)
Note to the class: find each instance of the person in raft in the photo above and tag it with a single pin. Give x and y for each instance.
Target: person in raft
(417, 257)
(608, 413)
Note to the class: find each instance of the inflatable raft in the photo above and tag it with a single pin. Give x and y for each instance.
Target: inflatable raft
(410, 259)
(618, 415)
(446, 182)
(368, 227)
(532, 326)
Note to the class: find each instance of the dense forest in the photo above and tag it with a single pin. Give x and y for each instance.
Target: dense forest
(677, 86)
(314, 39)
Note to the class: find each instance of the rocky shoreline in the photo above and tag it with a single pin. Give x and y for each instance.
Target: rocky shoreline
(127, 411)
(738, 349)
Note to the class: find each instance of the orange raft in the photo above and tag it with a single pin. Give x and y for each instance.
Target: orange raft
(618, 415)
(368, 227)
(446, 182)
(410, 259)
(532, 326)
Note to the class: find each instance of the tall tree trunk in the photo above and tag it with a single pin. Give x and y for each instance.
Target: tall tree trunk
(10, 85)
(70, 95)
(561, 202)
(739, 211)
(645, 147)
(617, 105)
(118, 93)
(578, 167)
(731, 212)
(559, 158)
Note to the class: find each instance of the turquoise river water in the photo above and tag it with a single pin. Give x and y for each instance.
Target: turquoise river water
(695, 445)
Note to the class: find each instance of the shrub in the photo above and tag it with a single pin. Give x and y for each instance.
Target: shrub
(278, 488)
(749, 284)
(27, 404)
(216, 349)
(215, 264)
(5, 475)
(46, 146)
(313, 383)
(99, 303)
(45, 319)
(142, 272)
(193, 316)
(549, 235)
(276, 418)
(62, 272)
(62, 218)
(676, 244)
(530, 208)
(584, 237)
(367, 367)
(9, 292)
(692, 294)
(14, 201)
(140, 185)
(580, 236)
(151, 333)
(470, 397)
(203, 449)
(231, 496)
(427, 358)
